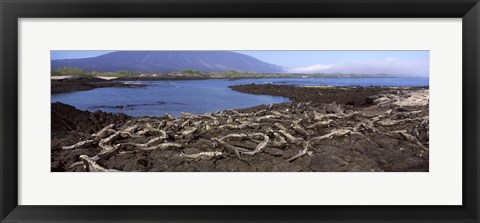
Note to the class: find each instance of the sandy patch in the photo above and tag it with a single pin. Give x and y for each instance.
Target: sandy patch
(65, 77)
(107, 78)
(59, 77)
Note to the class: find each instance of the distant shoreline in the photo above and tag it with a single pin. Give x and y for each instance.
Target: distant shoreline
(72, 84)
(231, 78)
(66, 84)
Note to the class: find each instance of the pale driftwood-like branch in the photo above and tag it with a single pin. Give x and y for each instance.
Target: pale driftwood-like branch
(152, 142)
(270, 107)
(299, 129)
(131, 135)
(266, 117)
(81, 145)
(187, 115)
(79, 163)
(111, 138)
(186, 123)
(163, 146)
(91, 166)
(280, 126)
(317, 116)
(389, 122)
(106, 148)
(229, 119)
(288, 136)
(241, 126)
(319, 124)
(214, 119)
(260, 146)
(234, 112)
(234, 136)
(149, 130)
(368, 125)
(411, 139)
(103, 132)
(202, 155)
(207, 127)
(169, 116)
(230, 148)
(261, 112)
(279, 114)
(130, 129)
(278, 142)
(161, 124)
(129, 132)
(306, 147)
(188, 132)
(335, 132)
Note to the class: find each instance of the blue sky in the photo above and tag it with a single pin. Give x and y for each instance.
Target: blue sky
(75, 54)
(412, 63)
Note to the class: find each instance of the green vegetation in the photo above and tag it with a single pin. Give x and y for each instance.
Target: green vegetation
(190, 73)
(74, 71)
(232, 74)
(112, 74)
(336, 75)
(68, 71)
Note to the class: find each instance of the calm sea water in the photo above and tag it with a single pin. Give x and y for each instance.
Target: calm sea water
(201, 96)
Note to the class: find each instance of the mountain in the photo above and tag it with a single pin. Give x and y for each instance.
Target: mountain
(169, 61)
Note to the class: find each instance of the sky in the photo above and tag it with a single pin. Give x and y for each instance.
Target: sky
(408, 63)
(76, 54)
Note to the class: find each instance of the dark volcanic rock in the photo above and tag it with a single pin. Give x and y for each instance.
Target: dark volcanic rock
(84, 83)
(391, 135)
(68, 118)
(349, 96)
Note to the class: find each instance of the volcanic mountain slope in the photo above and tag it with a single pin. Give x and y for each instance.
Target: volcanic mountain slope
(170, 61)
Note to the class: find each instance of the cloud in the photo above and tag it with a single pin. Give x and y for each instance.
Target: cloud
(390, 65)
(311, 69)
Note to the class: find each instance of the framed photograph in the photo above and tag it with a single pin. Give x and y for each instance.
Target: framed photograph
(228, 111)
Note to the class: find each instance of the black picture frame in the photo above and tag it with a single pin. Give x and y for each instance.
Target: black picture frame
(11, 11)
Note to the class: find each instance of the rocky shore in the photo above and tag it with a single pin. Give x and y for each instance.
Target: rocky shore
(324, 129)
(350, 96)
(84, 83)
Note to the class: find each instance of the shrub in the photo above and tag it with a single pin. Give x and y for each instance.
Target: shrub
(69, 71)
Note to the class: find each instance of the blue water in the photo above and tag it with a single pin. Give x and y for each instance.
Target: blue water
(201, 96)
